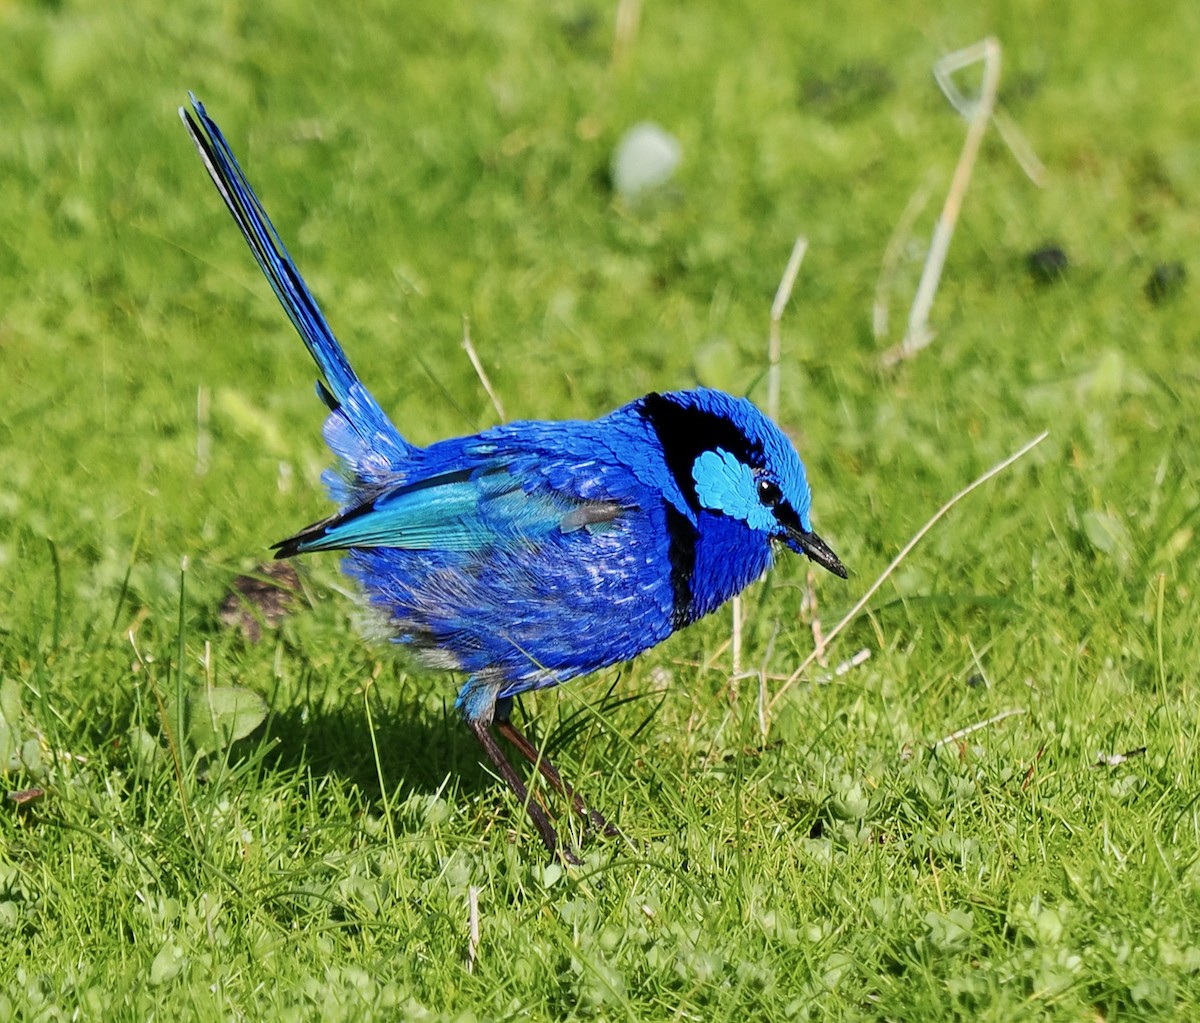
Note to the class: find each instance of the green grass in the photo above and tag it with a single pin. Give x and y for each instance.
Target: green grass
(428, 161)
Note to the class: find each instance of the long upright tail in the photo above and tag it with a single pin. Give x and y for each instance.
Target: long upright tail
(371, 448)
(269, 250)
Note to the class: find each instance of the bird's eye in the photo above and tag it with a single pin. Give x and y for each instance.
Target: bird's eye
(768, 493)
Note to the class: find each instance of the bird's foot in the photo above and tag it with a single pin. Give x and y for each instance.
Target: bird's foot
(567, 855)
(602, 825)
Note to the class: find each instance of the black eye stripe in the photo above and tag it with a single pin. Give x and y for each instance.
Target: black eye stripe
(686, 432)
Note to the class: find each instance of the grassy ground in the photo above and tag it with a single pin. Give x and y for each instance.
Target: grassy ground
(426, 161)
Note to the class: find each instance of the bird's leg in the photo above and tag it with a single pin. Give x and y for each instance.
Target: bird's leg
(536, 814)
(550, 773)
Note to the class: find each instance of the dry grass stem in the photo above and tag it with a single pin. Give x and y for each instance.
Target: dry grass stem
(472, 927)
(479, 371)
(1020, 148)
(735, 608)
(962, 733)
(919, 334)
(845, 667)
(763, 691)
(782, 294)
(808, 605)
(1117, 759)
(891, 257)
(1010, 134)
(904, 552)
(629, 14)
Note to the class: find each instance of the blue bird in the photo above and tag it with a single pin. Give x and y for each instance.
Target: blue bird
(534, 552)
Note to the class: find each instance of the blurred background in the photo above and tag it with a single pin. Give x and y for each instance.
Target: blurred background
(426, 162)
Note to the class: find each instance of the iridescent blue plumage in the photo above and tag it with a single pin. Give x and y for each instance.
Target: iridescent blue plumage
(534, 552)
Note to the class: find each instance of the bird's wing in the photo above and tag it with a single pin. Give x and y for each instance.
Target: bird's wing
(461, 510)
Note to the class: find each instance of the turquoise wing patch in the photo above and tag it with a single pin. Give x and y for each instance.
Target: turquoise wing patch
(460, 512)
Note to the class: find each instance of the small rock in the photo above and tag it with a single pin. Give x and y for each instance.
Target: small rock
(1047, 264)
(1165, 281)
(645, 159)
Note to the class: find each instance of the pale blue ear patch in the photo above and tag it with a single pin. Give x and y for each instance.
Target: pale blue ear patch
(727, 485)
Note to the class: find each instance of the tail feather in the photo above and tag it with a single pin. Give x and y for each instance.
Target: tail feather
(370, 448)
(269, 250)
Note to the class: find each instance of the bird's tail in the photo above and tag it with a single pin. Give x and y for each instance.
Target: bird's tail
(371, 448)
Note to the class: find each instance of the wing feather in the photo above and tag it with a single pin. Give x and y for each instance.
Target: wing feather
(467, 510)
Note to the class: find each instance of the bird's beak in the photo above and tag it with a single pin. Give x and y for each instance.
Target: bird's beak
(816, 548)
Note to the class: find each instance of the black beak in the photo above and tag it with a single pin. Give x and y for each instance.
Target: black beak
(816, 548)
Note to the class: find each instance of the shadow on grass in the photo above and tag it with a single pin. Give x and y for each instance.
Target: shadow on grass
(423, 749)
(417, 752)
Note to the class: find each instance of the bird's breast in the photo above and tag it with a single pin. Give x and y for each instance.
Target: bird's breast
(716, 561)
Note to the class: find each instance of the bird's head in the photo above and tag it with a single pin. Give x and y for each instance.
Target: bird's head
(730, 459)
